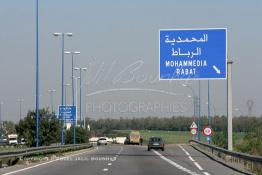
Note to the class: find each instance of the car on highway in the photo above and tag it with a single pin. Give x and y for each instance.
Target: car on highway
(102, 141)
(156, 143)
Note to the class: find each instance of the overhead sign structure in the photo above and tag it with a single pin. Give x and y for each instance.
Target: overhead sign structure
(192, 54)
(67, 113)
(207, 131)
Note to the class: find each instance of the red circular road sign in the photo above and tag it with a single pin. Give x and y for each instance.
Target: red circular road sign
(207, 131)
(193, 131)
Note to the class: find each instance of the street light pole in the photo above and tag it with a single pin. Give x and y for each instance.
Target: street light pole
(37, 78)
(1, 103)
(20, 100)
(52, 99)
(72, 76)
(66, 85)
(62, 82)
(75, 121)
(80, 105)
(194, 98)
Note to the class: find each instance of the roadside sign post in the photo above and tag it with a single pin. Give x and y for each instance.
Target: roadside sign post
(207, 131)
(67, 114)
(193, 129)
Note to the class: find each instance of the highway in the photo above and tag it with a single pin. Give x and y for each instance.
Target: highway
(128, 160)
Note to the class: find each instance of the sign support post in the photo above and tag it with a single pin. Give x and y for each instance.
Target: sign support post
(229, 106)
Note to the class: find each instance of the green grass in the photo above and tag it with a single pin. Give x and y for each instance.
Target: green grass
(172, 137)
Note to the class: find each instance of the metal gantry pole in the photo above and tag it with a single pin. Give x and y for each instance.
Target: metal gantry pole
(37, 76)
(208, 107)
(229, 105)
(199, 111)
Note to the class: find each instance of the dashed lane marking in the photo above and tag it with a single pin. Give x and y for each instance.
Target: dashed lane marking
(175, 164)
(198, 166)
(105, 169)
(195, 162)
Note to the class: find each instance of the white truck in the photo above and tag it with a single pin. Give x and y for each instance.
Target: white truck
(12, 139)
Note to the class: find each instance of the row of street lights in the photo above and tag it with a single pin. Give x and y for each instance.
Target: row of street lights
(63, 94)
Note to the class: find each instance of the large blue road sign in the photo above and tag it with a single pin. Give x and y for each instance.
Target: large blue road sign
(67, 113)
(193, 54)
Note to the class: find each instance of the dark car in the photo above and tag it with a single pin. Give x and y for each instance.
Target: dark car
(156, 143)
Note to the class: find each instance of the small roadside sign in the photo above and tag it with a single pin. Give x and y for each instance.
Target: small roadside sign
(193, 131)
(193, 125)
(207, 131)
(67, 113)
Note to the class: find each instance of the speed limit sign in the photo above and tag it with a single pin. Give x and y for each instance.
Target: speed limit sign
(207, 131)
(193, 131)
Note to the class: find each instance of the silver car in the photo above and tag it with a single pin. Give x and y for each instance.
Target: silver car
(102, 141)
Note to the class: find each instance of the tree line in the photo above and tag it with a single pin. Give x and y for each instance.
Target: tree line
(180, 123)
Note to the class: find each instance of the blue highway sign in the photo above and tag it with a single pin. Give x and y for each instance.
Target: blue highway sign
(67, 113)
(193, 54)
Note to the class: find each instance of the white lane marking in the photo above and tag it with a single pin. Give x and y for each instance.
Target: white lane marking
(184, 150)
(195, 162)
(119, 152)
(113, 159)
(105, 169)
(198, 166)
(31, 167)
(109, 164)
(206, 173)
(191, 158)
(175, 164)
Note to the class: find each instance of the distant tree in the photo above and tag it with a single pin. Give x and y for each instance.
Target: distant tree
(8, 127)
(49, 128)
(82, 135)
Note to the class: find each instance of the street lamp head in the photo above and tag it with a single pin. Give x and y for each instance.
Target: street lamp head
(57, 34)
(84, 68)
(67, 84)
(76, 52)
(66, 52)
(76, 68)
(51, 90)
(69, 34)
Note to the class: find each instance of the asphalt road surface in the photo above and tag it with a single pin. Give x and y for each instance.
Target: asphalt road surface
(128, 160)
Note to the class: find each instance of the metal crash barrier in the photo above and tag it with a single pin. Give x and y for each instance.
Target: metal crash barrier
(245, 163)
(12, 157)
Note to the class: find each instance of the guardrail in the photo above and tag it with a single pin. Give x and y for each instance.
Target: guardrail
(11, 157)
(245, 163)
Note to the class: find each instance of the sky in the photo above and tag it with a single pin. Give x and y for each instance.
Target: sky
(119, 45)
